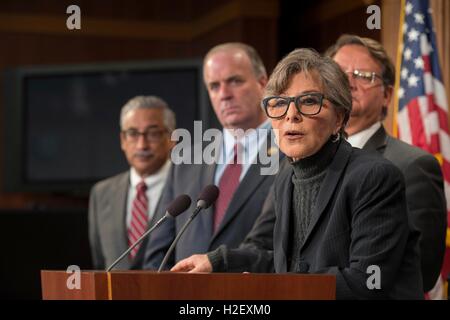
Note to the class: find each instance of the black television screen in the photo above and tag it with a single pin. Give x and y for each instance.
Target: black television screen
(62, 123)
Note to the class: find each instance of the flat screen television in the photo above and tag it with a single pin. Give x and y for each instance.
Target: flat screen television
(61, 123)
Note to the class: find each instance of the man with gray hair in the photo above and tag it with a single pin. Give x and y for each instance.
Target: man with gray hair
(372, 75)
(122, 207)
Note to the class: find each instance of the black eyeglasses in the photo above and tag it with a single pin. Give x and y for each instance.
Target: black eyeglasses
(307, 104)
(133, 135)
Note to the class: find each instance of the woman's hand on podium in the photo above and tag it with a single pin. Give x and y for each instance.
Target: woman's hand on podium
(195, 263)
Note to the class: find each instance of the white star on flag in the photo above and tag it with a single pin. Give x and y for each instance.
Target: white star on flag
(405, 27)
(419, 18)
(412, 81)
(407, 54)
(408, 8)
(413, 35)
(401, 93)
(419, 63)
(404, 73)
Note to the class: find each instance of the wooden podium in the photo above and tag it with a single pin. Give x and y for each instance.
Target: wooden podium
(148, 285)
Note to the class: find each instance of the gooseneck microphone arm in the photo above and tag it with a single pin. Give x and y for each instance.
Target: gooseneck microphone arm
(138, 241)
(174, 243)
(178, 206)
(207, 197)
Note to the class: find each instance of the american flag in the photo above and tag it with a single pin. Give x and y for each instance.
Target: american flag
(422, 117)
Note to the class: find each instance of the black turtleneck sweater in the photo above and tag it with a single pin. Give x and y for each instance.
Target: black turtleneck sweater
(307, 179)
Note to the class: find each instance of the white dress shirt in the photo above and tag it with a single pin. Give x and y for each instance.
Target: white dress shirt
(359, 139)
(155, 184)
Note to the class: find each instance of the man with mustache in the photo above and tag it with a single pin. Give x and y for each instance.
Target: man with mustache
(371, 75)
(235, 78)
(122, 207)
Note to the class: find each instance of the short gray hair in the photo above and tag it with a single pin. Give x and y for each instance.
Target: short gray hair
(333, 80)
(257, 64)
(149, 102)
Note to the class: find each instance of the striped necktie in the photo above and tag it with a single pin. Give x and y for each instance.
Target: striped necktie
(139, 217)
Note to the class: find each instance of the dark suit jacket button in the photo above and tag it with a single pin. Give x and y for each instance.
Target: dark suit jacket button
(303, 267)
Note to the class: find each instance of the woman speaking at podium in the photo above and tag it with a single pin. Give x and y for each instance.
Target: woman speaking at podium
(333, 209)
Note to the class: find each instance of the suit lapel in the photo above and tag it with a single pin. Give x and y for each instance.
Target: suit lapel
(283, 206)
(377, 141)
(118, 211)
(329, 184)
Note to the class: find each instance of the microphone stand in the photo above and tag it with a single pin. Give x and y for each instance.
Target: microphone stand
(137, 242)
(174, 243)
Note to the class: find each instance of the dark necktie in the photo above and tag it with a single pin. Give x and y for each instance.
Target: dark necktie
(227, 185)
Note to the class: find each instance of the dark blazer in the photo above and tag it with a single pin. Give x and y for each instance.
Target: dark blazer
(244, 208)
(360, 219)
(424, 196)
(107, 223)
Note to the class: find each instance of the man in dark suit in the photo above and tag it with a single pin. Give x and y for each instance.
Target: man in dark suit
(123, 206)
(372, 75)
(235, 78)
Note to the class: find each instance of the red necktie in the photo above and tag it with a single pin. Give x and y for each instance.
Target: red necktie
(139, 219)
(227, 185)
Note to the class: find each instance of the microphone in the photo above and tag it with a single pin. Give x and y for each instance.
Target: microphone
(206, 198)
(176, 207)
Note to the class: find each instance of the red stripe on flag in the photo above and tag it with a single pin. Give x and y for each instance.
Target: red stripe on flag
(443, 123)
(426, 64)
(432, 106)
(434, 143)
(442, 114)
(415, 122)
(446, 170)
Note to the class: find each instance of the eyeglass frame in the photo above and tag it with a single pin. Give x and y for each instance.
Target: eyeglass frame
(358, 73)
(294, 99)
(144, 134)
